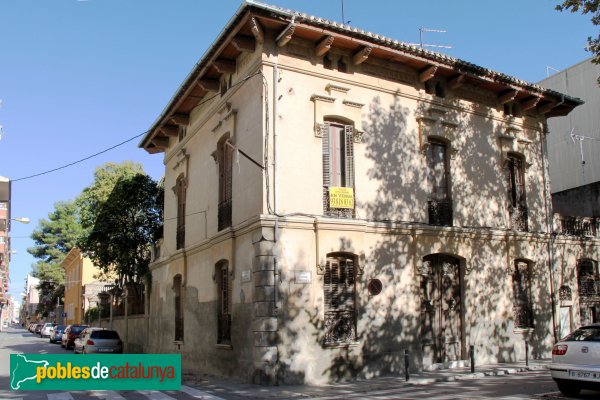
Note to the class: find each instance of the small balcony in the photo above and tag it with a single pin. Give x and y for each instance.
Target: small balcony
(224, 214)
(440, 212)
(577, 226)
(519, 216)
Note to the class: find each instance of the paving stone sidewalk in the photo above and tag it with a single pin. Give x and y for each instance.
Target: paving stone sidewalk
(235, 389)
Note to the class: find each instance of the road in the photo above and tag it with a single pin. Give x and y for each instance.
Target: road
(532, 385)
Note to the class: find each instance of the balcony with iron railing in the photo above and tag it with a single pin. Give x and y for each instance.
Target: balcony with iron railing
(224, 214)
(440, 212)
(577, 226)
(519, 216)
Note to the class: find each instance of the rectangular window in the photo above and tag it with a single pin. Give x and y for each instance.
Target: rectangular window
(178, 308)
(339, 296)
(338, 166)
(440, 203)
(522, 307)
(224, 301)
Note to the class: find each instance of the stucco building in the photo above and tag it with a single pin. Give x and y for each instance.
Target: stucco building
(80, 281)
(334, 197)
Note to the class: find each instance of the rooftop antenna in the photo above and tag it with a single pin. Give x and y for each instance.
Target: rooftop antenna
(580, 139)
(421, 44)
(343, 18)
(548, 68)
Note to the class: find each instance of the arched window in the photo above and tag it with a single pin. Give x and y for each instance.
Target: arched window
(177, 289)
(224, 302)
(517, 205)
(338, 169)
(440, 202)
(522, 305)
(339, 292)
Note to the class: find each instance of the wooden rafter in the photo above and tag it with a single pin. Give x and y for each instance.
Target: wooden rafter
(546, 108)
(324, 46)
(210, 85)
(257, 30)
(530, 103)
(427, 73)
(361, 56)
(286, 35)
(160, 142)
(169, 130)
(244, 43)
(223, 65)
(456, 82)
(180, 119)
(507, 96)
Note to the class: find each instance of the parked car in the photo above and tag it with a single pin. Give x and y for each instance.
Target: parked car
(576, 360)
(71, 332)
(38, 328)
(31, 327)
(56, 335)
(98, 340)
(46, 329)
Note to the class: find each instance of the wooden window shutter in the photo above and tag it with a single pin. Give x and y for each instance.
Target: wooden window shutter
(326, 155)
(349, 159)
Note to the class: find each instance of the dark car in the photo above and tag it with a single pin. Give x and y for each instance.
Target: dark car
(70, 334)
(38, 328)
(56, 335)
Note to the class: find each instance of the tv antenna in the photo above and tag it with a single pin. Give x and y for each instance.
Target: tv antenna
(343, 17)
(580, 139)
(548, 68)
(421, 44)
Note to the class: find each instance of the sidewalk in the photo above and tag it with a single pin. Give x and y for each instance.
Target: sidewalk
(233, 389)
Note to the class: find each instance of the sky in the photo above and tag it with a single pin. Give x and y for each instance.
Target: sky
(78, 77)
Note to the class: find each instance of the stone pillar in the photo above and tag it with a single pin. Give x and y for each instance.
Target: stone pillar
(264, 324)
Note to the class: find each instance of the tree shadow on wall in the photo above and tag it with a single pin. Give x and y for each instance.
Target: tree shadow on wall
(396, 199)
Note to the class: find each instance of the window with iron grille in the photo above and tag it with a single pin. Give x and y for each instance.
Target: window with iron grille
(225, 157)
(440, 202)
(522, 306)
(517, 204)
(177, 288)
(339, 296)
(181, 193)
(587, 280)
(224, 303)
(338, 164)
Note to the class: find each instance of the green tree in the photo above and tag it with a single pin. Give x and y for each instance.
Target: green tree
(122, 216)
(54, 238)
(586, 7)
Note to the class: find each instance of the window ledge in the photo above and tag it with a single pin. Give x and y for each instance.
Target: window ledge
(223, 346)
(523, 330)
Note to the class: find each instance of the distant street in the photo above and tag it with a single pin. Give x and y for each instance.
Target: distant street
(531, 385)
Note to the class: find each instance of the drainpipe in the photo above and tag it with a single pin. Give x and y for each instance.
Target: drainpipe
(549, 227)
(275, 83)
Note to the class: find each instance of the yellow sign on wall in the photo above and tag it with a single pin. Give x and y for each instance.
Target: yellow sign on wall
(341, 197)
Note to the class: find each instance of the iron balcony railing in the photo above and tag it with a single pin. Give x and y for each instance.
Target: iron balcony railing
(577, 226)
(224, 214)
(519, 216)
(440, 212)
(335, 212)
(523, 317)
(340, 327)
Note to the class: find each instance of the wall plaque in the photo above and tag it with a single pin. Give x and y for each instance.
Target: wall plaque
(246, 276)
(302, 277)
